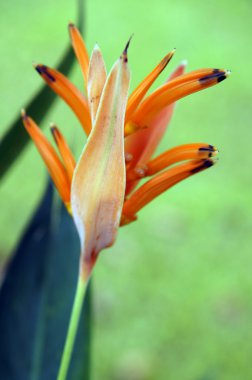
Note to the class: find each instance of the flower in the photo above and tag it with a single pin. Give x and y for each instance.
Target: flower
(123, 134)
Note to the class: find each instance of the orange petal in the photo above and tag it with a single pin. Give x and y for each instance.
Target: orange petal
(68, 92)
(65, 151)
(157, 185)
(98, 185)
(50, 157)
(180, 153)
(143, 144)
(139, 93)
(174, 90)
(96, 80)
(80, 50)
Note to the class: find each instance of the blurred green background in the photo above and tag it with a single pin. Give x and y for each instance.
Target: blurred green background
(172, 298)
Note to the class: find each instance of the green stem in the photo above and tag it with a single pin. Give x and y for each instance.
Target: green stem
(72, 329)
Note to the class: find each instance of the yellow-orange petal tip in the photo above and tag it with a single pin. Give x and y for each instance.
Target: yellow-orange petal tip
(69, 208)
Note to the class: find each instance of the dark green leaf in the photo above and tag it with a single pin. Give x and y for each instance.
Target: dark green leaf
(36, 299)
(16, 138)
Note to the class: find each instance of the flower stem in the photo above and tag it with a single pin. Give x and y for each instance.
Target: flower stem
(72, 328)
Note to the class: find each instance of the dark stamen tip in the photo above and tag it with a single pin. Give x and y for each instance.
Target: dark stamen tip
(43, 70)
(218, 75)
(221, 78)
(205, 165)
(209, 148)
(71, 25)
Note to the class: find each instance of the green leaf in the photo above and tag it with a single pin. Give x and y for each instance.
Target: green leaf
(36, 299)
(16, 138)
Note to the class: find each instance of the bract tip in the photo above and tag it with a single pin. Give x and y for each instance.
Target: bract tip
(184, 62)
(127, 46)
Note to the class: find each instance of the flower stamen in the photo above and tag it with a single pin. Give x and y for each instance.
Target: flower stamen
(174, 90)
(181, 153)
(50, 157)
(68, 92)
(160, 183)
(65, 152)
(80, 50)
(141, 90)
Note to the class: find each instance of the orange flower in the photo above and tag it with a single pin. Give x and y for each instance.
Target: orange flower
(123, 134)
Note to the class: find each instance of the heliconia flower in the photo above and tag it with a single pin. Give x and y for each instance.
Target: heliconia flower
(123, 134)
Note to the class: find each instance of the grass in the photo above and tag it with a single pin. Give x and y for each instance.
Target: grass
(173, 296)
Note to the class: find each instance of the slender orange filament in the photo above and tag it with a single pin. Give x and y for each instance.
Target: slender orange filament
(172, 156)
(80, 50)
(157, 185)
(65, 152)
(174, 90)
(67, 91)
(180, 153)
(50, 157)
(139, 93)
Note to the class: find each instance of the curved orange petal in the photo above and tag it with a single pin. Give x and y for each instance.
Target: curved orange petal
(143, 144)
(174, 90)
(68, 92)
(157, 185)
(50, 157)
(80, 50)
(139, 93)
(180, 153)
(65, 152)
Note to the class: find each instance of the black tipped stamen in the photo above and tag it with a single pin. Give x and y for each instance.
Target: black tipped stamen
(209, 148)
(221, 78)
(218, 75)
(205, 165)
(42, 70)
